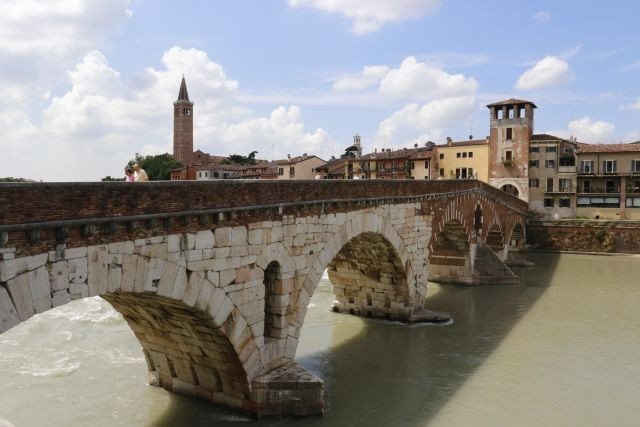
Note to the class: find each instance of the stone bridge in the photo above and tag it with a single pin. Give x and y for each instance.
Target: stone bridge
(214, 278)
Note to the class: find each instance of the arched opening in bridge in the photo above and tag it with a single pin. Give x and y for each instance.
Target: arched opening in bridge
(369, 278)
(510, 189)
(175, 338)
(477, 218)
(275, 310)
(449, 257)
(517, 237)
(495, 238)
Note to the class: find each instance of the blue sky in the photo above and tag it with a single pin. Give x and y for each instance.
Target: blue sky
(85, 85)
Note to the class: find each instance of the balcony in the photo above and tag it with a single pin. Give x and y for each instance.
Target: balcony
(566, 169)
(600, 190)
(507, 162)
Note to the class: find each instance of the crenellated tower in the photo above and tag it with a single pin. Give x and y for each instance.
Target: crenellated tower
(511, 127)
(183, 126)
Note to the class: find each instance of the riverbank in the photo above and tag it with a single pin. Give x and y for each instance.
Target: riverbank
(584, 236)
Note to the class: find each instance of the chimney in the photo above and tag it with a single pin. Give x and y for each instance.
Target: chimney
(449, 141)
(288, 156)
(415, 145)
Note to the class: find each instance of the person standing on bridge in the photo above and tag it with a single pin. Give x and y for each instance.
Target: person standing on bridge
(128, 174)
(140, 175)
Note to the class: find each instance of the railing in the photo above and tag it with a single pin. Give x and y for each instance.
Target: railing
(507, 162)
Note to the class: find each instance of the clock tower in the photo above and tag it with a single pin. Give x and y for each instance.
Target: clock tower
(183, 126)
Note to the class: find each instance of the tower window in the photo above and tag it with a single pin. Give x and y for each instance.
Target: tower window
(509, 134)
(510, 112)
(500, 114)
(521, 112)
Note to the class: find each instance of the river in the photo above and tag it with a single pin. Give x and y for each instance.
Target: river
(561, 349)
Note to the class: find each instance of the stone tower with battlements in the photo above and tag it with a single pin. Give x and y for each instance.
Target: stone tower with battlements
(183, 126)
(511, 127)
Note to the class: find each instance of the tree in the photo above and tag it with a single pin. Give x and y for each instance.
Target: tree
(158, 167)
(238, 159)
(109, 178)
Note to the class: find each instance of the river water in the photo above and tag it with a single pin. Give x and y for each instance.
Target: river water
(562, 349)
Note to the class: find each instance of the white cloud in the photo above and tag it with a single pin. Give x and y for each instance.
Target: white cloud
(587, 130)
(370, 76)
(542, 16)
(41, 40)
(370, 15)
(432, 118)
(419, 80)
(634, 106)
(548, 72)
(94, 128)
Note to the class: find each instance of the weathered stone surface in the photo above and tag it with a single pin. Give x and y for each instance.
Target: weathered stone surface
(12, 267)
(78, 270)
(78, 291)
(204, 239)
(124, 248)
(40, 289)
(60, 298)
(223, 236)
(239, 236)
(20, 292)
(97, 257)
(58, 275)
(8, 313)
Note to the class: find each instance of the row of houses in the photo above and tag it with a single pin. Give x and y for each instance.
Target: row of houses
(558, 177)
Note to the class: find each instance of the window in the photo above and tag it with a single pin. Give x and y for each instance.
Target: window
(470, 172)
(510, 112)
(426, 164)
(568, 150)
(633, 202)
(280, 171)
(441, 156)
(550, 149)
(565, 202)
(551, 163)
(413, 165)
(508, 156)
(292, 171)
(609, 166)
(611, 187)
(470, 154)
(441, 172)
(586, 166)
(564, 185)
(522, 112)
(509, 134)
(635, 166)
(464, 155)
(534, 149)
(586, 187)
(500, 114)
(549, 185)
(534, 183)
(599, 202)
(533, 163)
(458, 155)
(548, 202)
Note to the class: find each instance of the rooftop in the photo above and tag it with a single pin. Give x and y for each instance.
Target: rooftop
(511, 101)
(609, 148)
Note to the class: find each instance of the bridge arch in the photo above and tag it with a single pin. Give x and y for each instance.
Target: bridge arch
(364, 237)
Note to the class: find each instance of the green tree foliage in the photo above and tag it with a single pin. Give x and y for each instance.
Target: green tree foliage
(238, 159)
(158, 167)
(109, 178)
(11, 179)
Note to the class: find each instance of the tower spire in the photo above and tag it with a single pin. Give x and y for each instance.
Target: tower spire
(183, 95)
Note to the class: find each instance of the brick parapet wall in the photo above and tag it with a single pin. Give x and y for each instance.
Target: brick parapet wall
(36, 216)
(585, 236)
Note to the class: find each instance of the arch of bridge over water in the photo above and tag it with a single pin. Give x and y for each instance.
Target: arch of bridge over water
(215, 278)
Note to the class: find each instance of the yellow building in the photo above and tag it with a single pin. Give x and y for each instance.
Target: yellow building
(463, 160)
(301, 167)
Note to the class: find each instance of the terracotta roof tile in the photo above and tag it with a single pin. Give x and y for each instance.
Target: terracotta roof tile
(608, 148)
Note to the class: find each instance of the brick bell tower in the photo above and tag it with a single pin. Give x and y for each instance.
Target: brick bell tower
(183, 126)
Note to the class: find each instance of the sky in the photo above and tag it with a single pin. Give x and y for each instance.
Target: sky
(86, 84)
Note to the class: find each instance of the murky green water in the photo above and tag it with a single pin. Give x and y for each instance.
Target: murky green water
(563, 349)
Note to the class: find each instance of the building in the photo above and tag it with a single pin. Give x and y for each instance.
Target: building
(423, 162)
(608, 181)
(261, 170)
(333, 169)
(552, 176)
(300, 167)
(511, 126)
(183, 126)
(463, 160)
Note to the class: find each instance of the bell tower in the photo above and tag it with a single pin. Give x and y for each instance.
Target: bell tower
(183, 126)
